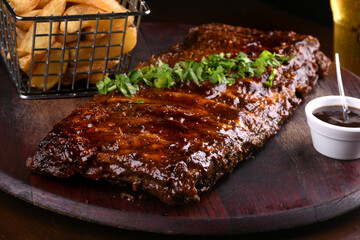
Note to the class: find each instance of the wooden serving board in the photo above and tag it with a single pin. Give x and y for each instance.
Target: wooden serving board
(288, 184)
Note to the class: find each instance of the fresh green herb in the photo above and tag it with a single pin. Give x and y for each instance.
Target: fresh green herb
(217, 68)
(140, 101)
(271, 78)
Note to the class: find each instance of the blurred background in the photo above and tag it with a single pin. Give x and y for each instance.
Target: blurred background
(318, 11)
(313, 17)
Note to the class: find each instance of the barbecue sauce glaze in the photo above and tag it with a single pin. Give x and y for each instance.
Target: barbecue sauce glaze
(334, 115)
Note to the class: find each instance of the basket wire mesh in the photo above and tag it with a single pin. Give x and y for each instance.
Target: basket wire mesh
(69, 63)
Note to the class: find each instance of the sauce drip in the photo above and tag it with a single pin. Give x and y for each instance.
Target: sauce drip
(334, 115)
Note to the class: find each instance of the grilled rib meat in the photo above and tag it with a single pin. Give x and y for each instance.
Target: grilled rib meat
(183, 139)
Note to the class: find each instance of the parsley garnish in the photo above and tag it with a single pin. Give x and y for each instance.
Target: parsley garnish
(218, 68)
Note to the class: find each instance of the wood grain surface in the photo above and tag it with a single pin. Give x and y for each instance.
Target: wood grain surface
(288, 184)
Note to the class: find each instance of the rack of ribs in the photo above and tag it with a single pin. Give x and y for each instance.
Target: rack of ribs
(183, 139)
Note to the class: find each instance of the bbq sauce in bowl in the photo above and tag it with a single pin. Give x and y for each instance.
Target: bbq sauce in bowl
(334, 115)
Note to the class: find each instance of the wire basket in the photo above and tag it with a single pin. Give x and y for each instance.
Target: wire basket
(66, 55)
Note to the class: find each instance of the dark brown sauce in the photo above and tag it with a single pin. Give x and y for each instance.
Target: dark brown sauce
(334, 115)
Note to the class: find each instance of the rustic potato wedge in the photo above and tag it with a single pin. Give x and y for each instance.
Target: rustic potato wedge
(107, 6)
(81, 72)
(91, 36)
(20, 35)
(69, 38)
(21, 53)
(53, 68)
(54, 7)
(87, 34)
(23, 6)
(25, 62)
(40, 42)
(74, 26)
(102, 25)
(101, 52)
(95, 77)
(42, 4)
(25, 25)
(97, 66)
(25, 37)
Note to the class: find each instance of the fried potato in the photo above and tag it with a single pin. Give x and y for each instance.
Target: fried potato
(101, 52)
(19, 39)
(102, 25)
(87, 34)
(40, 42)
(53, 68)
(107, 6)
(25, 62)
(26, 40)
(81, 72)
(91, 35)
(97, 66)
(69, 38)
(23, 6)
(42, 4)
(20, 35)
(56, 8)
(95, 77)
(25, 25)
(21, 53)
(74, 26)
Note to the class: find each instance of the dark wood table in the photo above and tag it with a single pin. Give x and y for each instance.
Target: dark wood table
(21, 220)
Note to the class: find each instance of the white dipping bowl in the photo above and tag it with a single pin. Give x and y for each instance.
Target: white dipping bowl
(330, 140)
